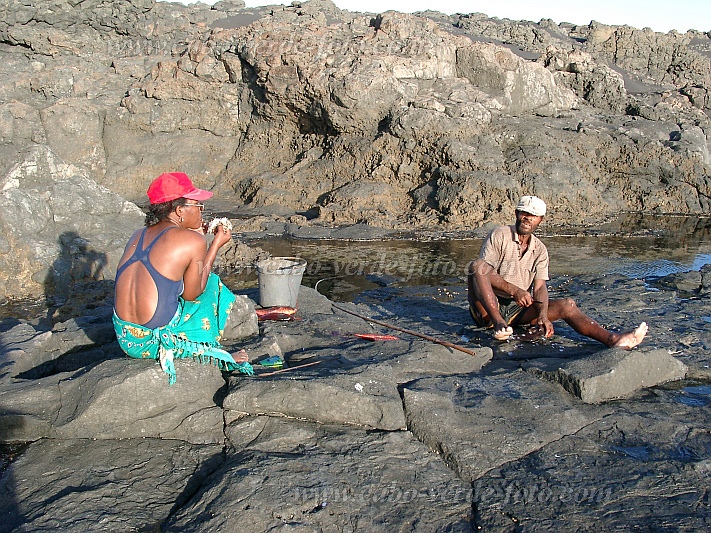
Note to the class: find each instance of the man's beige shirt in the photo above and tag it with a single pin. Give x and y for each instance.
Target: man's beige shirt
(502, 250)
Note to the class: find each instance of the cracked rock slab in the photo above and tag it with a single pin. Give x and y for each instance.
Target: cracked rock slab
(119, 398)
(79, 485)
(129, 398)
(291, 475)
(426, 359)
(612, 374)
(364, 396)
(477, 423)
(638, 469)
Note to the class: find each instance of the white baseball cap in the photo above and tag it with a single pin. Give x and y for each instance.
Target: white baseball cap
(533, 205)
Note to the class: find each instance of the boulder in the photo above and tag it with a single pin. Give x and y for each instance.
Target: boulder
(242, 321)
(613, 374)
(116, 399)
(61, 226)
(517, 86)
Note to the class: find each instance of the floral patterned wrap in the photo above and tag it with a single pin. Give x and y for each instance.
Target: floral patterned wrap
(194, 331)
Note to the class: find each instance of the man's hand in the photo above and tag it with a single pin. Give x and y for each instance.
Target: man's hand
(545, 325)
(523, 298)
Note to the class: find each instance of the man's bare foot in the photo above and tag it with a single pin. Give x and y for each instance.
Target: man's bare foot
(631, 339)
(240, 357)
(502, 333)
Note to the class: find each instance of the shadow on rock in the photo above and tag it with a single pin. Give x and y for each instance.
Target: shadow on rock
(8, 452)
(71, 284)
(196, 483)
(78, 333)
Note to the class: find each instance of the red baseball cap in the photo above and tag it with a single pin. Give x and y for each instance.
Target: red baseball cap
(171, 185)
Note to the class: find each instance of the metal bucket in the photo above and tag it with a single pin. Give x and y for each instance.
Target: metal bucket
(279, 280)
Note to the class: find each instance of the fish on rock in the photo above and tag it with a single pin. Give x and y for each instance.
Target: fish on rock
(276, 313)
(375, 337)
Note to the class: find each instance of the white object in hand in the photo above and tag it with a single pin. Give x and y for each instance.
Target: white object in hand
(224, 222)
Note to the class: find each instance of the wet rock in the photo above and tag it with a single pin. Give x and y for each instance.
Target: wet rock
(706, 280)
(612, 374)
(570, 480)
(684, 282)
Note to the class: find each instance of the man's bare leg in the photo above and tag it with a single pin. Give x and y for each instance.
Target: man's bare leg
(567, 310)
(483, 300)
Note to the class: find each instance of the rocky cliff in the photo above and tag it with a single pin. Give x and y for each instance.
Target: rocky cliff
(394, 120)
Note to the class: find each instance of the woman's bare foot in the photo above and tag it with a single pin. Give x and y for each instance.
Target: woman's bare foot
(502, 332)
(240, 357)
(631, 339)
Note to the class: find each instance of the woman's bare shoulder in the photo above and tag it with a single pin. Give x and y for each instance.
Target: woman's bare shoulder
(185, 238)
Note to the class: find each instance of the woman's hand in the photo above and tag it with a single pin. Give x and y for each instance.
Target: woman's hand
(222, 234)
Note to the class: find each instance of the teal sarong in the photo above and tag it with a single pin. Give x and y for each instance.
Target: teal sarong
(194, 331)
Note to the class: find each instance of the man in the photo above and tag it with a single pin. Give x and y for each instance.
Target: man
(507, 284)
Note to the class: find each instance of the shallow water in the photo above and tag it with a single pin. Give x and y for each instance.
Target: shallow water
(345, 269)
(695, 396)
(635, 246)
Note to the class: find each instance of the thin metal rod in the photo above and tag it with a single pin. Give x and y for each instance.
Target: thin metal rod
(410, 332)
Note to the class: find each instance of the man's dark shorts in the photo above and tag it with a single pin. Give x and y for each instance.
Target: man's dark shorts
(508, 308)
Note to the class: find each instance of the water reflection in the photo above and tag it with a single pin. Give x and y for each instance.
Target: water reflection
(350, 268)
(695, 396)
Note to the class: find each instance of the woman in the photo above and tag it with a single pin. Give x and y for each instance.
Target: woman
(167, 303)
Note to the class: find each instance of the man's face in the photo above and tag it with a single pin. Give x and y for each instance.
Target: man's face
(526, 223)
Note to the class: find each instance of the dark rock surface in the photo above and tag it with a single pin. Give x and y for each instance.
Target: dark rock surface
(617, 374)
(309, 477)
(404, 432)
(143, 479)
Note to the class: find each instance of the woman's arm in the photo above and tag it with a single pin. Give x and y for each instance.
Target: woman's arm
(198, 270)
